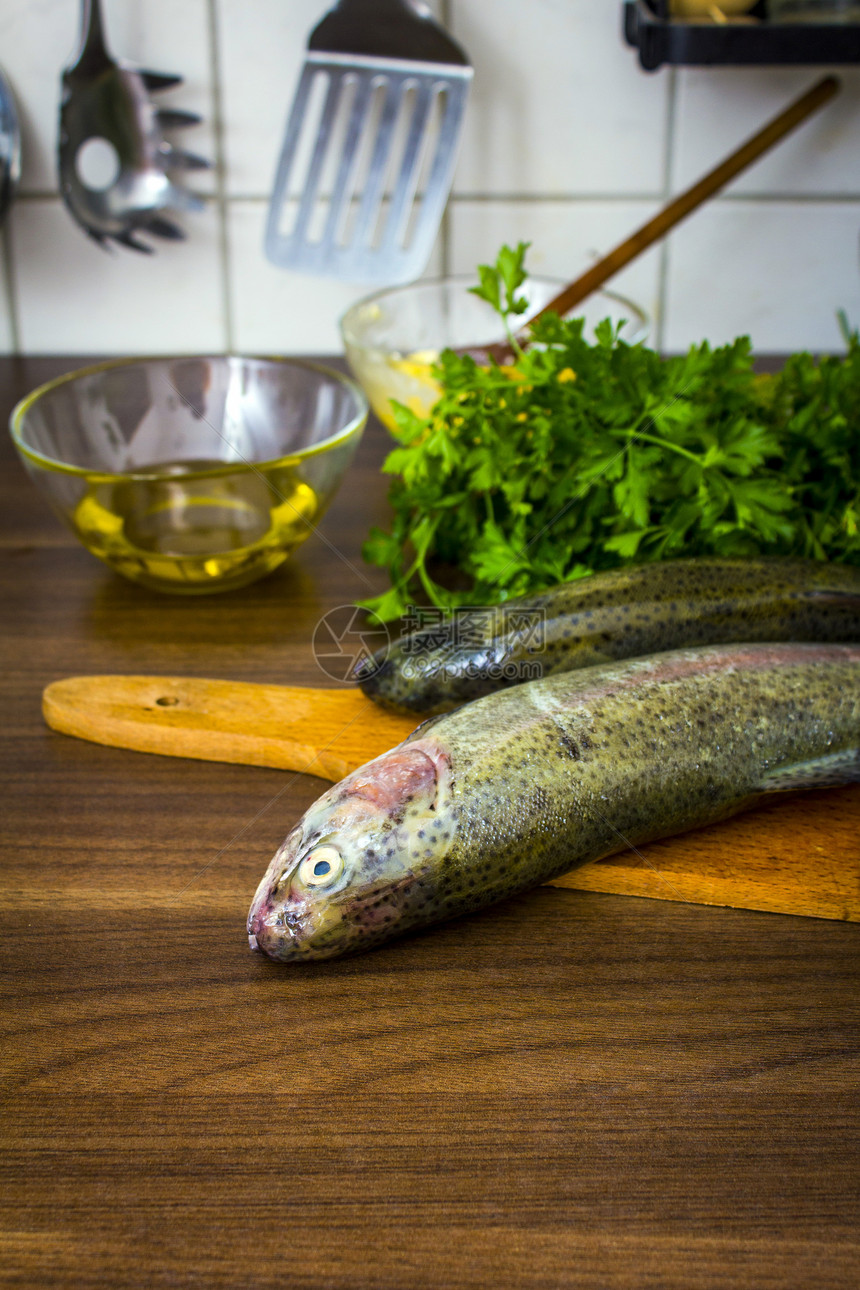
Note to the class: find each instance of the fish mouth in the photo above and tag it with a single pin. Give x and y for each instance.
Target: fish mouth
(274, 931)
(379, 680)
(289, 931)
(280, 933)
(278, 925)
(371, 668)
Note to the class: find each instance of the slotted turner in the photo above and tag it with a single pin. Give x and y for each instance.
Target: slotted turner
(391, 89)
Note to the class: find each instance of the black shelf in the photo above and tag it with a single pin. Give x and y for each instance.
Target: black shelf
(661, 39)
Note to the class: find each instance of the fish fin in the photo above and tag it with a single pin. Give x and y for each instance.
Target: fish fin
(831, 771)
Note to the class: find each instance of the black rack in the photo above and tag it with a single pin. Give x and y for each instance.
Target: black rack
(660, 39)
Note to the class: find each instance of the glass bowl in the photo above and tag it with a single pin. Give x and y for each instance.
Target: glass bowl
(191, 475)
(392, 337)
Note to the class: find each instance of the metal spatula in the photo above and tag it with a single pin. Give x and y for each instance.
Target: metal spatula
(370, 145)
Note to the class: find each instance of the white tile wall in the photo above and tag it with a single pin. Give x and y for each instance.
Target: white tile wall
(262, 47)
(717, 108)
(559, 106)
(276, 311)
(74, 297)
(568, 143)
(797, 262)
(566, 238)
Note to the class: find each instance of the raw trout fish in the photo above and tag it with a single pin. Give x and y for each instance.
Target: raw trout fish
(625, 613)
(529, 782)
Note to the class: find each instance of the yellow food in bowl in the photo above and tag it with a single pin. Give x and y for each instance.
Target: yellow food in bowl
(393, 338)
(718, 10)
(408, 380)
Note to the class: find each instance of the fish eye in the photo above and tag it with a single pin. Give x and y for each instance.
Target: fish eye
(321, 866)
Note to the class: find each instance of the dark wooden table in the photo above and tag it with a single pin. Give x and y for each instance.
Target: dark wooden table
(569, 1090)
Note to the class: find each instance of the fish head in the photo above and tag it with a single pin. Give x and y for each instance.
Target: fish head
(433, 671)
(357, 867)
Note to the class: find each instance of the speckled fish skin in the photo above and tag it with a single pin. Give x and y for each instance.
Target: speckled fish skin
(527, 783)
(625, 613)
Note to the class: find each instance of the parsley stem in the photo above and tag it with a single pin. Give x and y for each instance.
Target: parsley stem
(430, 586)
(516, 348)
(664, 443)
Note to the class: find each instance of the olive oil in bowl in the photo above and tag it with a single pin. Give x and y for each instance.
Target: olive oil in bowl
(186, 530)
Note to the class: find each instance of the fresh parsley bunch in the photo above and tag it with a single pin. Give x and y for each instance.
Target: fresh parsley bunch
(580, 457)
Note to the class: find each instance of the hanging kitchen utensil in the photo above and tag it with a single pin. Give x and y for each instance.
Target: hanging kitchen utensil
(681, 206)
(116, 165)
(10, 147)
(377, 116)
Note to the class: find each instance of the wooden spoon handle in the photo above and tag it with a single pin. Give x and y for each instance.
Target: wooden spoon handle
(684, 204)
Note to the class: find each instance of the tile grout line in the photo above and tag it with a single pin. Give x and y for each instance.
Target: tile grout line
(445, 233)
(773, 199)
(220, 176)
(572, 199)
(664, 262)
(11, 288)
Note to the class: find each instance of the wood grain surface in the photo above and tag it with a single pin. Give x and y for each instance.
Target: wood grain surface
(571, 1089)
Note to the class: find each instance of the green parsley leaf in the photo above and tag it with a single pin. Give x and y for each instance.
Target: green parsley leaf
(499, 282)
(591, 454)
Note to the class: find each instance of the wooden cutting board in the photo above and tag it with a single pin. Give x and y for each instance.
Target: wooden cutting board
(800, 855)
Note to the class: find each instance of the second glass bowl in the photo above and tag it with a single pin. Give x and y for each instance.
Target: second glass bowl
(392, 337)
